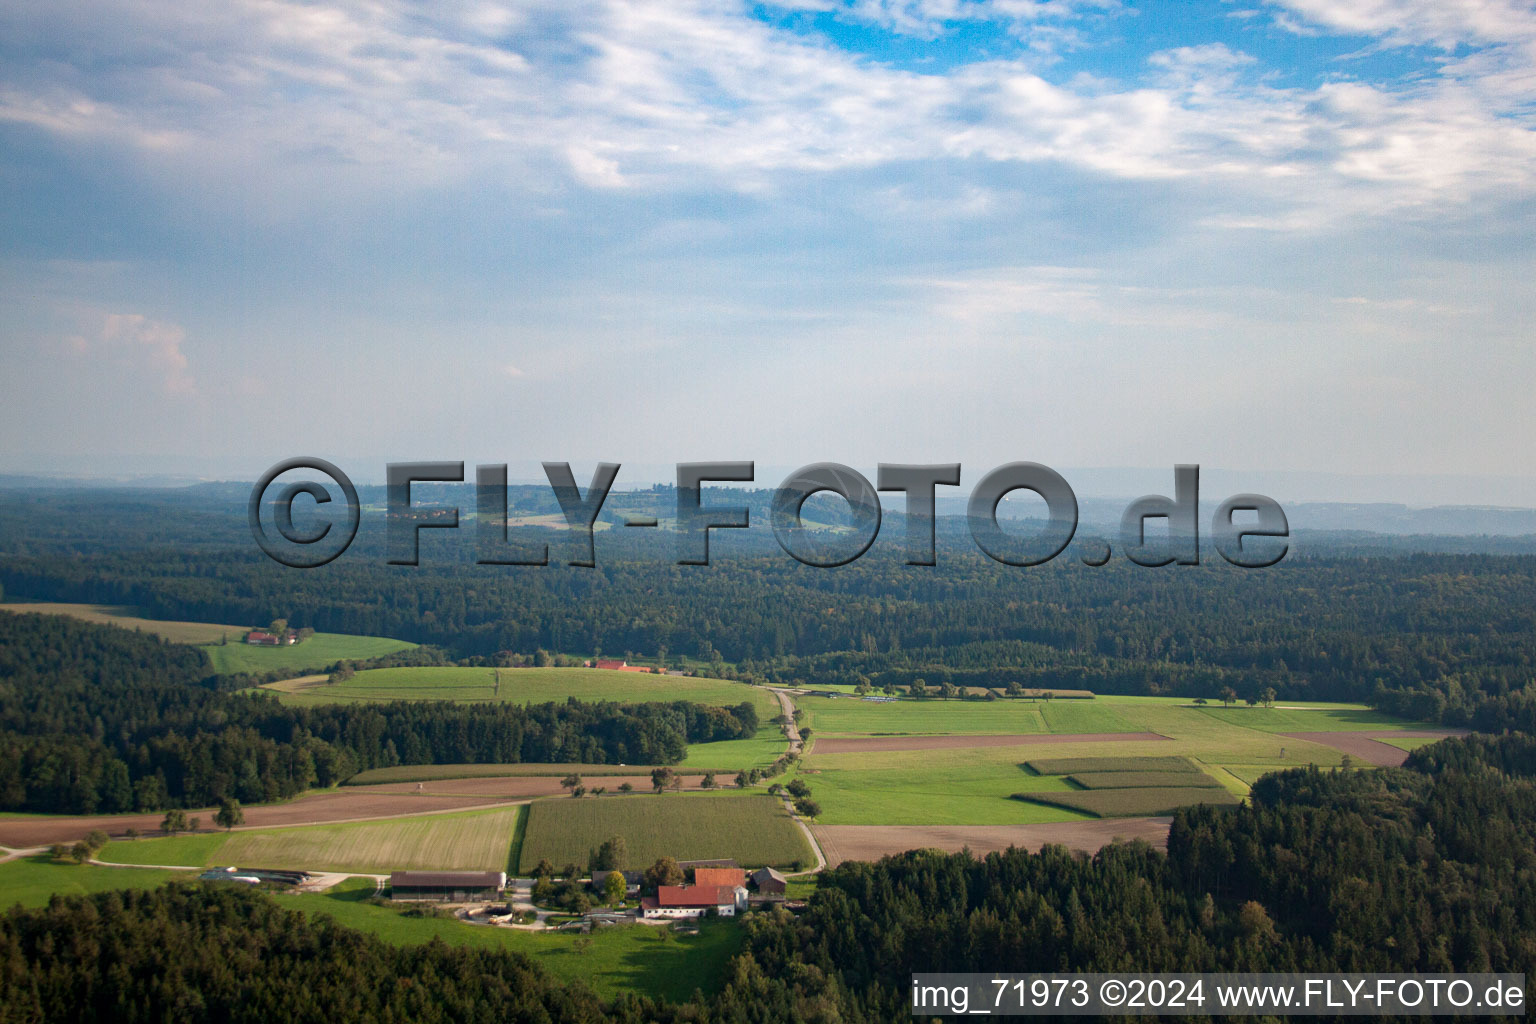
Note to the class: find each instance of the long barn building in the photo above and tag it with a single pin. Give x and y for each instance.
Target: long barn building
(446, 886)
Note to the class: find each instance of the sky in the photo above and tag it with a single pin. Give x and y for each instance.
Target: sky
(1291, 237)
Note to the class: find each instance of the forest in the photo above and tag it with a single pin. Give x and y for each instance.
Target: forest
(1448, 637)
(1431, 867)
(101, 719)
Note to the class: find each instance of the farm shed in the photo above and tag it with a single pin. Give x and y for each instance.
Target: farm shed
(769, 882)
(446, 886)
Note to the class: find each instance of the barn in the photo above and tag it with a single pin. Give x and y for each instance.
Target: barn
(446, 886)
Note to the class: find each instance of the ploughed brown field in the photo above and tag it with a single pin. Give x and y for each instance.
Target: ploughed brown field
(871, 842)
(861, 744)
(533, 785)
(1367, 747)
(320, 809)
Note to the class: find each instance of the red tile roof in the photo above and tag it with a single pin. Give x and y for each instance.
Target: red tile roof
(719, 876)
(695, 895)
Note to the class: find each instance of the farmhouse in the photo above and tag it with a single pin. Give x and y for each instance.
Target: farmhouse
(446, 886)
(694, 901)
(261, 638)
(769, 882)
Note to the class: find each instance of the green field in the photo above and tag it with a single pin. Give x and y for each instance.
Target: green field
(974, 785)
(850, 716)
(318, 652)
(463, 840)
(933, 787)
(751, 828)
(30, 881)
(1141, 780)
(1127, 803)
(528, 686)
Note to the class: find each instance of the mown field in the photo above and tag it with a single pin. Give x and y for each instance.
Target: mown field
(1072, 765)
(466, 840)
(1127, 803)
(751, 828)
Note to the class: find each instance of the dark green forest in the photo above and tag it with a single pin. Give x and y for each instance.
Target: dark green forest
(1449, 637)
(101, 719)
(1431, 867)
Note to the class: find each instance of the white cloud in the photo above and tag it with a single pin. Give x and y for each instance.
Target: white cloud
(135, 341)
(697, 93)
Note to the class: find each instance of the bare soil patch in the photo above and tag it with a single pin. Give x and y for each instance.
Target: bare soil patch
(861, 744)
(518, 786)
(1366, 745)
(871, 842)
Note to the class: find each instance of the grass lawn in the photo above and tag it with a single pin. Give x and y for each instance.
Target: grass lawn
(31, 880)
(318, 652)
(652, 961)
(750, 827)
(468, 841)
(528, 686)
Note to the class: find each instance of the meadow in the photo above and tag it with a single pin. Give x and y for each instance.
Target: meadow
(465, 840)
(320, 651)
(751, 828)
(839, 716)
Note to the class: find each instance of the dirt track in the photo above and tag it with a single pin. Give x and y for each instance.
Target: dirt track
(863, 744)
(871, 842)
(310, 810)
(1367, 746)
